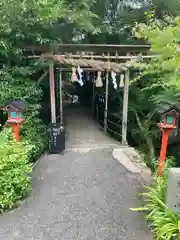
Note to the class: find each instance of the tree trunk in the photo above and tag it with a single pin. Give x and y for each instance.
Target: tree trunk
(146, 137)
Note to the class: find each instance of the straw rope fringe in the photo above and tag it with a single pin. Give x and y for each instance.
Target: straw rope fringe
(95, 64)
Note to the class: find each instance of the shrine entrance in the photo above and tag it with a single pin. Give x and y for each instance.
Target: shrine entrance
(83, 132)
(74, 68)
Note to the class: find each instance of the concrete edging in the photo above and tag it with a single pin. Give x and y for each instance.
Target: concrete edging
(132, 161)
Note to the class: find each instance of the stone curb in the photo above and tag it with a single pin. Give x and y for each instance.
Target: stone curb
(131, 160)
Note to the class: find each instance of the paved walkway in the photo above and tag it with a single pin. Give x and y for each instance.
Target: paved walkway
(84, 132)
(78, 196)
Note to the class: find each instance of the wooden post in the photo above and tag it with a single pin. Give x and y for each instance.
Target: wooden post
(97, 112)
(106, 102)
(163, 151)
(125, 108)
(60, 95)
(52, 93)
(57, 92)
(93, 95)
(56, 89)
(16, 132)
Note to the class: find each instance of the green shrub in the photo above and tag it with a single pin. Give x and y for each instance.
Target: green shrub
(163, 222)
(33, 131)
(18, 83)
(170, 162)
(15, 170)
(16, 158)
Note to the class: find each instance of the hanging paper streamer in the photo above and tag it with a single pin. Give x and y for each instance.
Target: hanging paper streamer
(113, 75)
(80, 81)
(99, 82)
(80, 71)
(121, 80)
(73, 76)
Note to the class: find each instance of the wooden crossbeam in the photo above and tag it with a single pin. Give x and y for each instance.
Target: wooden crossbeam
(69, 69)
(88, 47)
(99, 57)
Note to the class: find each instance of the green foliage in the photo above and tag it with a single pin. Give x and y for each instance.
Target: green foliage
(163, 222)
(163, 7)
(118, 17)
(170, 162)
(14, 170)
(157, 81)
(164, 39)
(16, 84)
(40, 21)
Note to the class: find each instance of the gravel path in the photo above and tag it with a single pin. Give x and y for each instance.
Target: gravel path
(78, 196)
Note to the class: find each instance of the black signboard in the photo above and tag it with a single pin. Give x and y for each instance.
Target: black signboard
(56, 138)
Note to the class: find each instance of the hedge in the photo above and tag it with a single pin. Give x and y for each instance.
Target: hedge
(15, 169)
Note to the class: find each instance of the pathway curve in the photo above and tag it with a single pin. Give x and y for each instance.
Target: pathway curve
(78, 196)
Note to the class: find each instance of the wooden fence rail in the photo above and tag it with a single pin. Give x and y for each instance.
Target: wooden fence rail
(113, 128)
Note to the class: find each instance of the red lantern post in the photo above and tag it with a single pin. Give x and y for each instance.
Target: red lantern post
(15, 116)
(167, 124)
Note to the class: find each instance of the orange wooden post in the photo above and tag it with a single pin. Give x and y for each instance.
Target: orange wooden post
(163, 151)
(16, 130)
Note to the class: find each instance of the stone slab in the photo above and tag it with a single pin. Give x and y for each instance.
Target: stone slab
(173, 190)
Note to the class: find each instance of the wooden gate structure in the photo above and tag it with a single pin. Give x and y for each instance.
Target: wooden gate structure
(90, 57)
